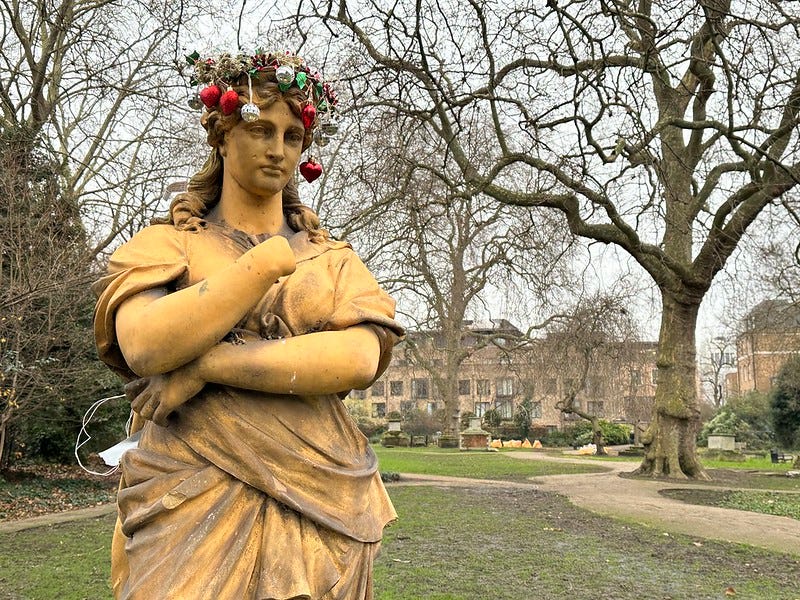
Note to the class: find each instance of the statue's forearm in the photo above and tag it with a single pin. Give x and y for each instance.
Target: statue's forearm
(159, 332)
(316, 363)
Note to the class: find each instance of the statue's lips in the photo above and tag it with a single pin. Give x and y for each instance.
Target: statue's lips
(272, 170)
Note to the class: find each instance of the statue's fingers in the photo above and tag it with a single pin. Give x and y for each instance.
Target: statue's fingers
(161, 414)
(140, 402)
(135, 387)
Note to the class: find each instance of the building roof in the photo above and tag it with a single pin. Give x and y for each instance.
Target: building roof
(773, 315)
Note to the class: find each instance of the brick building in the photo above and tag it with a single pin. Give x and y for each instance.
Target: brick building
(770, 334)
(503, 370)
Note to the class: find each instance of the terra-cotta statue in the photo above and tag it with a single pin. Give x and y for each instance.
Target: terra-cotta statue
(240, 325)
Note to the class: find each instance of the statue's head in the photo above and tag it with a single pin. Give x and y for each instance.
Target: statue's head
(234, 88)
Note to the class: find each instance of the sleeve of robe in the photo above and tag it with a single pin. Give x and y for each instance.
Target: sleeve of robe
(154, 257)
(359, 300)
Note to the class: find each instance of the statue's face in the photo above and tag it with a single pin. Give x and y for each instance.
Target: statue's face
(262, 155)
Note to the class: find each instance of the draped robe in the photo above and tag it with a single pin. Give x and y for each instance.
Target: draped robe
(249, 495)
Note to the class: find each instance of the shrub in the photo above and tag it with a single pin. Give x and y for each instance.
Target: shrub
(492, 418)
(420, 422)
(556, 438)
(747, 418)
(614, 434)
(465, 417)
(785, 404)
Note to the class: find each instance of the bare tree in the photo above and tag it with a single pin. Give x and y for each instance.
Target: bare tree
(95, 84)
(92, 110)
(595, 340)
(664, 129)
(718, 360)
(434, 242)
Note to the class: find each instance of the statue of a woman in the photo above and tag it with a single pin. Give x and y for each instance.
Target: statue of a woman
(240, 325)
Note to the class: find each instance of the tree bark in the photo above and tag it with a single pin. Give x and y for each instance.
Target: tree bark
(597, 437)
(670, 440)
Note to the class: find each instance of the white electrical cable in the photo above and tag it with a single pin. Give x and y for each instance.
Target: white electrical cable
(80, 443)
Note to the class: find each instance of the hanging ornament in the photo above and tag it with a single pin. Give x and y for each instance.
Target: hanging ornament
(308, 115)
(284, 74)
(194, 101)
(229, 102)
(330, 128)
(320, 139)
(210, 96)
(250, 112)
(310, 169)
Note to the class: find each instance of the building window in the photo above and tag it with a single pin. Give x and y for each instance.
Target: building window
(437, 362)
(379, 388)
(536, 410)
(505, 387)
(505, 409)
(419, 388)
(378, 409)
(407, 405)
(595, 408)
(358, 394)
(396, 388)
(483, 387)
(550, 386)
(654, 376)
(464, 387)
(481, 408)
(430, 408)
(636, 377)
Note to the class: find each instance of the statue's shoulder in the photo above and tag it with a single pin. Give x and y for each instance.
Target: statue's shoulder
(154, 241)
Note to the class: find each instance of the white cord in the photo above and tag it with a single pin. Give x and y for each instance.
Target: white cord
(80, 443)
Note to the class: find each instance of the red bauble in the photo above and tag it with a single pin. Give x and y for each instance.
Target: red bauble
(229, 102)
(309, 114)
(210, 96)
(310, 169)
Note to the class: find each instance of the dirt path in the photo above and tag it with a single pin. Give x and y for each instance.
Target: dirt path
(638, 501)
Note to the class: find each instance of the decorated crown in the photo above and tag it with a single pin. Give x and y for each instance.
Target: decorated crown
(214, 77)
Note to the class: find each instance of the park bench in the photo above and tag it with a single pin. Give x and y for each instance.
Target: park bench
(780, 457)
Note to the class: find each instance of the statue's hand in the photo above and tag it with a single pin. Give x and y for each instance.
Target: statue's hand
(154, 398)
(276, 253)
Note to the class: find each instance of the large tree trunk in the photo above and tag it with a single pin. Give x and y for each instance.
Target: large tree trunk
(670, 440)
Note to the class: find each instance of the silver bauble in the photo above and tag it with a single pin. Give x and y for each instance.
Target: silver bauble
(330, 128)
(320, 139)
(250, 112)
(284, 74)
(194, 101)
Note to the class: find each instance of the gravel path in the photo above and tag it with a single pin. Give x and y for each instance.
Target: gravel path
(638, 501)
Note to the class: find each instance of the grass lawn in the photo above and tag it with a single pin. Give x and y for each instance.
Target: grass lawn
(479, 465)
(490, 542)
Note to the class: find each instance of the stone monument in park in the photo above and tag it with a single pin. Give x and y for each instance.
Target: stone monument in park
(239, 324)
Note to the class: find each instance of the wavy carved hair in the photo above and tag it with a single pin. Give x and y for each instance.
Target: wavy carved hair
(204, 188)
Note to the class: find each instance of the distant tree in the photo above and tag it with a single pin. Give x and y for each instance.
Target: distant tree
(717, 361)
(92, 114)
(437, 245)
(785, 404)
(598, 332)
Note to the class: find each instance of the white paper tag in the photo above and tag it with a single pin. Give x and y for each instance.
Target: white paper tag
(111, 456)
